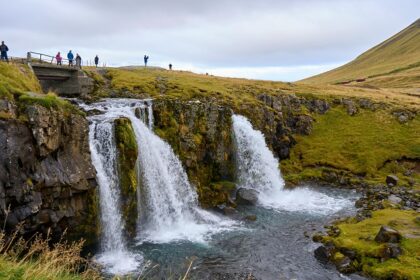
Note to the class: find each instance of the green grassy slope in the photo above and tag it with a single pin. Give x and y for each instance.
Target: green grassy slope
(398, 54)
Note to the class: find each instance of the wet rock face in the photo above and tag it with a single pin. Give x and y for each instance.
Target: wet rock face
(46, 176)
(246, 196)
(201, 135)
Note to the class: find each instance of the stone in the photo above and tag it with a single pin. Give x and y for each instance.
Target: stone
(251, 218)
(350, 107)
(246, 197)
(390, 251)
(394, 199)
(387, 234)
(345, 265)
(324, 253)
(391, 180)
(348, 253)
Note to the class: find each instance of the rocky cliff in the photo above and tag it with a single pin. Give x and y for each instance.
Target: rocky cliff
(47, 180)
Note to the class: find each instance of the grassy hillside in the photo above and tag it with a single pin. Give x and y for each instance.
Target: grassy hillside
(396, 56)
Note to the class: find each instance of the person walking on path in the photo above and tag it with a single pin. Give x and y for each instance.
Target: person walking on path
(4, 49)
(146, 58)
(58, 58)
(170, 66)
(96, 61)
(70, 57)
(78, 61)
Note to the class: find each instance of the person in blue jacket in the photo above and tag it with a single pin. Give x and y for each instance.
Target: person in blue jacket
(70, 57)
(146, 58)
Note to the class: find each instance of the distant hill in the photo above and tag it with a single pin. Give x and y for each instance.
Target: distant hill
(393, 63)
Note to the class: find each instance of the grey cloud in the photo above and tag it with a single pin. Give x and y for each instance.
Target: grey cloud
(216, 33)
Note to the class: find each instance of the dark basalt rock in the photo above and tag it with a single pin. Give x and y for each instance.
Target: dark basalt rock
(387, 234)
(46, 175)
(324, 253)
(246, 197)
(390, 251)
(391, 180)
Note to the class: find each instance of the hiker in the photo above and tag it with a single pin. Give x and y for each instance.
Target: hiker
(170, 66)
(146, 58)
(96, 61)
(58, 58)
(70, 57)
(4, 49)
(78, 61)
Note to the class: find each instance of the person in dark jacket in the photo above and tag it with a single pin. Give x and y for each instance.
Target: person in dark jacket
(4, 49)
(146, 58)
(170, 66)
(96, 60)
(70, 57)
(78, 61)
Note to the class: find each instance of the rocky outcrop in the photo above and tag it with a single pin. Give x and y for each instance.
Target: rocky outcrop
(127, 157)
(201, 135)
(47, 180)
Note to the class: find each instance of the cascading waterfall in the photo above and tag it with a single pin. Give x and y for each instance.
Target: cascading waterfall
(168, 204)
(114, 254)
(258, 169)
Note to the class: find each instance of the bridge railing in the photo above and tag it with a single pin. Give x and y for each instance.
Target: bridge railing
(45, 58)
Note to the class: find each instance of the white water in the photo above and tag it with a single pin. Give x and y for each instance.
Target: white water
(114, 255)
(168, 204)
(258, 169)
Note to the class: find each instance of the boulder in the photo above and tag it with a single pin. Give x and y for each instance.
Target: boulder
(246, 197)
(394, 199)
(251, 218)
(387, 234)
(390, 251)
(324, 253)
(345, 265)
(391, 180)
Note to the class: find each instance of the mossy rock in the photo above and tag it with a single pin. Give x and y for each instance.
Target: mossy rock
(127, 158)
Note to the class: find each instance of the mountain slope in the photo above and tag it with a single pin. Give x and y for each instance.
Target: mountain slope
(397, 55)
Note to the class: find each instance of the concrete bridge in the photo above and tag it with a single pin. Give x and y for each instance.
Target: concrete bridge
(64, 80)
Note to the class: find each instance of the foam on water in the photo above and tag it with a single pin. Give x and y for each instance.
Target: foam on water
(258, 169)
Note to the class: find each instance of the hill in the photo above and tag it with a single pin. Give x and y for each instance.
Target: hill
(395, 63)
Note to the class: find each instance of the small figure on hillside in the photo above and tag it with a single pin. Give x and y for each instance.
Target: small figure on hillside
(78, 61)
(58, 58)
(4, 49)
(70, 57)
(170, 66)
(96, 61)
(146, 58)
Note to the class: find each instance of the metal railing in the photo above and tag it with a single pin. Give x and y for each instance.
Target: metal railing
(34, 57)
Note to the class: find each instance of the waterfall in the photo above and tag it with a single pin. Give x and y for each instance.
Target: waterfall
(258, 169)
(168, 204)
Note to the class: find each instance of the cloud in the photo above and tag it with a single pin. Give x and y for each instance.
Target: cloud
(218, 34)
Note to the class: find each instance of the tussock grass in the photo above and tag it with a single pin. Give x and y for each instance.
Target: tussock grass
(37, 260)
(16, 79)
(359, 236)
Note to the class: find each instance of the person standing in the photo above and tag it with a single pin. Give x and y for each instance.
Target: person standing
(3, 50)
(78, 61)
(70, 57)
(96, 61)
(170, 66)
(58, 58)
(146, 58)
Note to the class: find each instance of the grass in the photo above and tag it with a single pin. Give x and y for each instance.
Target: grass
(37, 260)
(16, 79)
(360, 144)
(360, 237)
(395, 55)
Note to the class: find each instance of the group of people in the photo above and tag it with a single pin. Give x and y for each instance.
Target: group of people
(70, 58)
(146, 59)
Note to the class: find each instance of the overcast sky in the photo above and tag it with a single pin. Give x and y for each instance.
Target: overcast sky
(262, 39)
